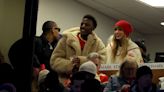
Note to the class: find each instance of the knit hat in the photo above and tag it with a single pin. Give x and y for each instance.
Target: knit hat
(126, 26)
(88, 67)
(42, 75)
(143, 70)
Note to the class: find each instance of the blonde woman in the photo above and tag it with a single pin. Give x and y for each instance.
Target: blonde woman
(120, 46)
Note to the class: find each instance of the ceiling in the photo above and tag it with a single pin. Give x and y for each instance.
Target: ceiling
(145, 19)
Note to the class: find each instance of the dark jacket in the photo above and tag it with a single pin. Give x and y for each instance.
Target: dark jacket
(43, 51)
(134, 88)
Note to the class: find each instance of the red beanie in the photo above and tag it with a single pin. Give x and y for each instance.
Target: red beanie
(126, 26)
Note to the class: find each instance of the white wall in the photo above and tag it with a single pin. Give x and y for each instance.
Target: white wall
(154, 44)
(11, 23)
(69, 13)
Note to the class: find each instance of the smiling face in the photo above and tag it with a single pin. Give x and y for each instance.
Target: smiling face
(86, 27)
(119, 33)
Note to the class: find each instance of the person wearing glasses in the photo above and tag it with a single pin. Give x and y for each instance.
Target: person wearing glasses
(120, 46)
(45, 44)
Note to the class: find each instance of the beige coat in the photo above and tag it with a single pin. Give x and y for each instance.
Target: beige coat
(133, 53)
(69, 46)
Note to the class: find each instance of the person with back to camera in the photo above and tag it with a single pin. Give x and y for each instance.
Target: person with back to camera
(75, 45)
(126, 77)
(91, 85)
(86, 71)
(120, 46)
(51, 83)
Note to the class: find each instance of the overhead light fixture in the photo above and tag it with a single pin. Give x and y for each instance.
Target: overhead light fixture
(154, 3)
(162, 23)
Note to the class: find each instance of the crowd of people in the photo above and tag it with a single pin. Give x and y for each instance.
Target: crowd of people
(70, 61)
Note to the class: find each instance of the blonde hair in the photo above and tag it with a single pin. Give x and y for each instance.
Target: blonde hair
(116, 43)
(93, 55)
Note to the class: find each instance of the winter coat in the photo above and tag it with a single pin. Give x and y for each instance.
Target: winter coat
(69, 46)
(153, 88)
(43, 50)
(133, 52)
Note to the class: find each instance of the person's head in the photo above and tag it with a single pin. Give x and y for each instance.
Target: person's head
(91, 85)
(51, 83)
(144, 76)
(51, 29)
(88, 24)
(121, 35)
(122, 29)
(128, 69)
(52, 79)
(95, 57)
(76, 80)
(89, 68)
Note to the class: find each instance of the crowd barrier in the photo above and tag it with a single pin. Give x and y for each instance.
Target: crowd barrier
(157, 69)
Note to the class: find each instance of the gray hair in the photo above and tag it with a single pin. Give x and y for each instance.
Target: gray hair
(93, 55)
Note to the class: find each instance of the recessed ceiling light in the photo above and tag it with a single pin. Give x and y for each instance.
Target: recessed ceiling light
(154, 3)
(162, 23)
